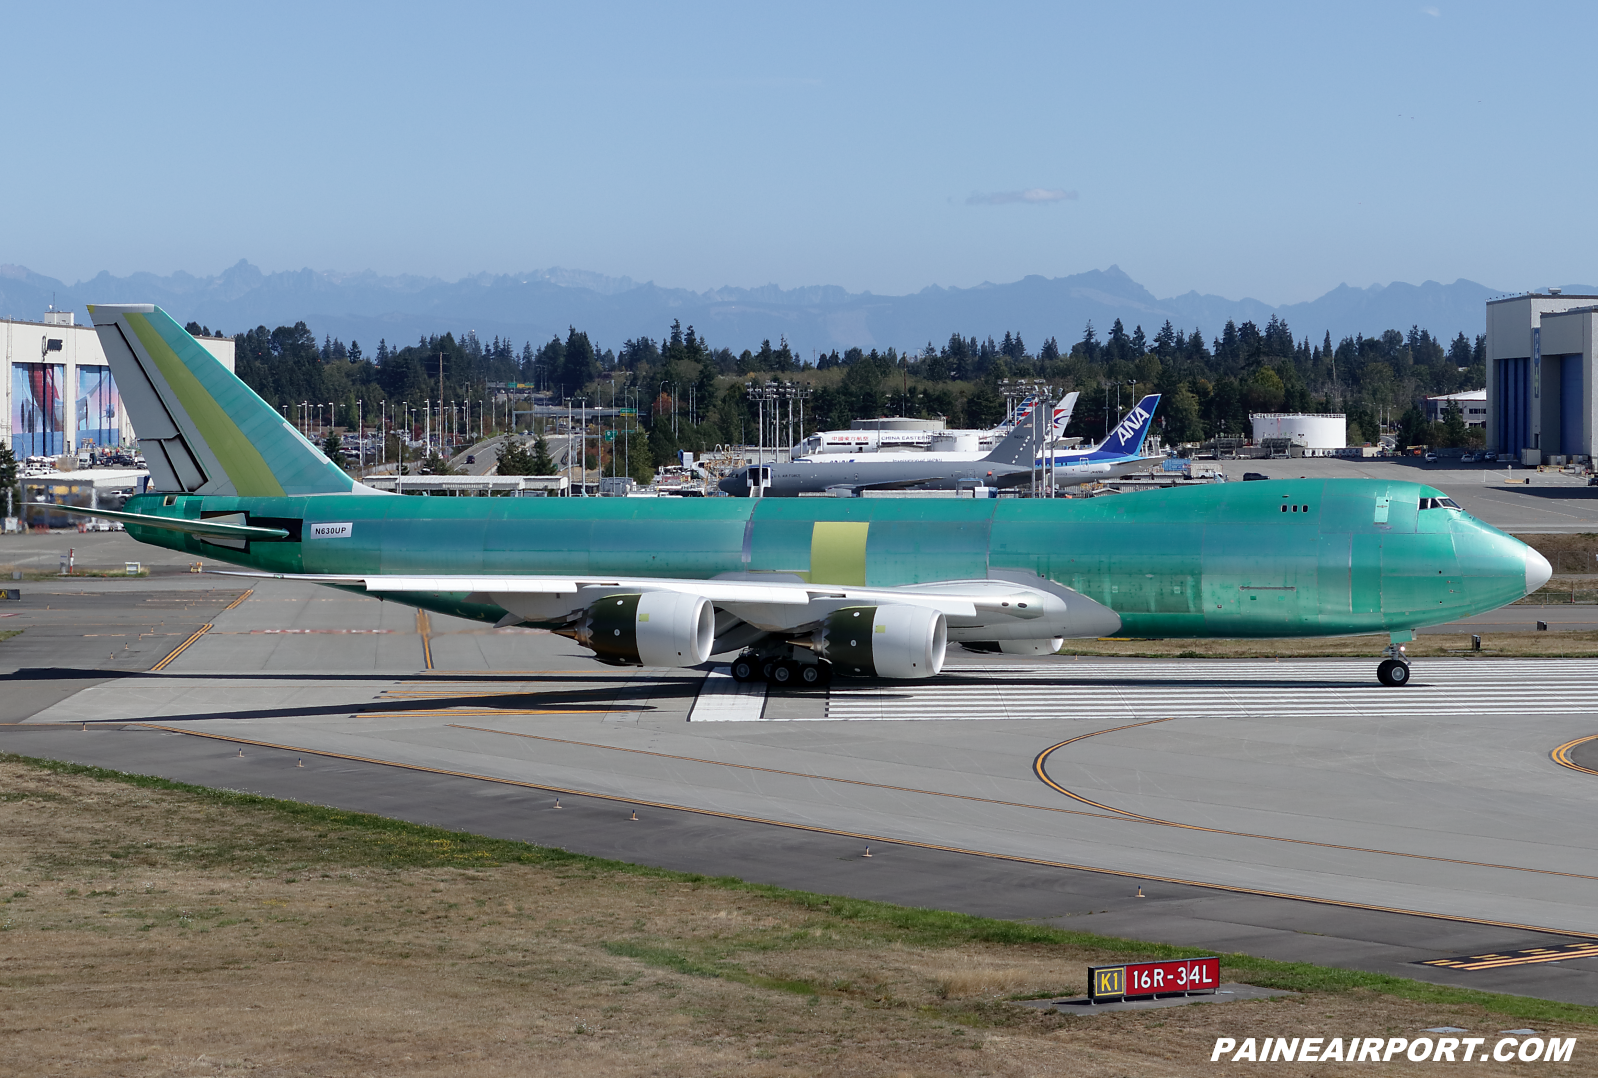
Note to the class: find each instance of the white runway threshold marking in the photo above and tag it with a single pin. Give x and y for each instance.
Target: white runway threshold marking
(1148, 690)
(722, 699)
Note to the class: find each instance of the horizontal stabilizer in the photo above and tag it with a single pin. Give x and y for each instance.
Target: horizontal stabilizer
(177, 524)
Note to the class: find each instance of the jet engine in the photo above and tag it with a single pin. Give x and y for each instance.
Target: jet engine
(655, 628)
(883, 641)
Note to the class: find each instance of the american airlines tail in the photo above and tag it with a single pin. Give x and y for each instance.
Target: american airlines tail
(202, 430)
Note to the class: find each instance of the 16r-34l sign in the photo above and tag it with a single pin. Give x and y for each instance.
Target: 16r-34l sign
(1143, 980)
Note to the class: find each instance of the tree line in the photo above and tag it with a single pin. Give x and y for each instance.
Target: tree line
(693, 395)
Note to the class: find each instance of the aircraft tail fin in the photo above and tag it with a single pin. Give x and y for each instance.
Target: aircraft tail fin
(1062, 415)
(1126, 440)
(202, 430)
(1019, 446)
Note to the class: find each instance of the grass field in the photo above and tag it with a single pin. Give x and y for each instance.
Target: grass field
(155, 929)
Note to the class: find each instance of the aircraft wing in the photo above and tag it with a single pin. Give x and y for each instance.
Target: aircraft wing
(667, 621)
(949, 600)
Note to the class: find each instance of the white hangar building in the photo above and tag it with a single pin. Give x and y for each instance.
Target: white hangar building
(58, 391)
(1540, 396)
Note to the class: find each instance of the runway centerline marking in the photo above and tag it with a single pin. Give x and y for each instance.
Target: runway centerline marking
(865, 836)
(1040, 768)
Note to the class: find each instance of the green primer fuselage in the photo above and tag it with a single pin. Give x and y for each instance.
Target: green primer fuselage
(1227, 560)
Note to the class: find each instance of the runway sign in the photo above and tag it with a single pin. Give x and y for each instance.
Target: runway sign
(1529, 956)
(1142, 980)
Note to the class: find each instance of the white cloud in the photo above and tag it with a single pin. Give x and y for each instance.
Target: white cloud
(1032, 194)
(1435, 13)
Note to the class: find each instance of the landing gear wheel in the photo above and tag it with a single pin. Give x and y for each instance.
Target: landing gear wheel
(812, 676)
(1393, 673)
(784, 673)
(767, 668)
(745, 669)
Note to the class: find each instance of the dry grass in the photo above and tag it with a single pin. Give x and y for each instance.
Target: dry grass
(1570, 553)
(154, 931)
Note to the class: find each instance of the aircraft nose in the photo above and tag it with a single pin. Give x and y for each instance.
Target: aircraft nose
(734, 485)
(1537, 570)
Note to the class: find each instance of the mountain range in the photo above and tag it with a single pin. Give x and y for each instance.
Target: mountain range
(537, 305)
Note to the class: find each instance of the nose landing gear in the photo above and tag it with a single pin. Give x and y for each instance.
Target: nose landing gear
(1394, 669)
(1393, 673)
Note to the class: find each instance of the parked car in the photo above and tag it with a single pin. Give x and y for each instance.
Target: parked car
(1431, 457)
(1468, 458)
(1250, 477)
(1489, 456)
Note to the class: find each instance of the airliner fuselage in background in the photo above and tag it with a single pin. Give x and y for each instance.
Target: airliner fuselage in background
(799, 589)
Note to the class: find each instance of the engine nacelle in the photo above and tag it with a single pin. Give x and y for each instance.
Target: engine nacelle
(884, 641)
(655, 628)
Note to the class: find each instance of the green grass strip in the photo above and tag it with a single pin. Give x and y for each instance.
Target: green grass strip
(398, 844)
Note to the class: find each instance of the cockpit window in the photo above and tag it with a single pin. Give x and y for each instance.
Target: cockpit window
(1439, 503)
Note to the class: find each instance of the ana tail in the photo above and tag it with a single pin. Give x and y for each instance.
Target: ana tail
(202, 430)
(1126, 440)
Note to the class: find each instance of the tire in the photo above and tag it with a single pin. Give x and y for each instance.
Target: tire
(811, 676)
(1393, 673)
(784, 673)
(744, 669)
(767, 667)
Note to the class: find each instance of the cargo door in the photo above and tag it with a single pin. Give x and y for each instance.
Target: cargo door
(1333, 582)
(1365, 574)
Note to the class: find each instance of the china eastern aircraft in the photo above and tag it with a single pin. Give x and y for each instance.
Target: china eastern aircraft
(812, 448)
(1015, 461)
(1010, 463)
(798, 590)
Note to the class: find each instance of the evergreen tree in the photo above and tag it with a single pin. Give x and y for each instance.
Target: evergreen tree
(333, 448)
(514, 459)
(542, 462)
(1414, 428)
(578, 364)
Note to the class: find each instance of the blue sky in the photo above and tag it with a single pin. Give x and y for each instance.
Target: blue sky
(1266, 150)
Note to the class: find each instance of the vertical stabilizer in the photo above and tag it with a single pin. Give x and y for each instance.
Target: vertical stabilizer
(201, 429)
(1062, 415)
(1126, 440)
(1021, 444)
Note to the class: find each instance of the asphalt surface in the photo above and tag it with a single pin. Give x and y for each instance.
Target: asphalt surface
(1550, 503)
(1219, 789)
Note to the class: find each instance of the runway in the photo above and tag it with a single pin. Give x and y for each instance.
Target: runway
(1291, 809)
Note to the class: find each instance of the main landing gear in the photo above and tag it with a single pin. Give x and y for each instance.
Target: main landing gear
(793, 670)
(1394, 669)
